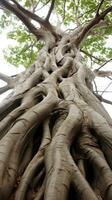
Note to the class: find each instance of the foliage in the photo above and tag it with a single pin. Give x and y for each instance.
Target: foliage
(26, 50)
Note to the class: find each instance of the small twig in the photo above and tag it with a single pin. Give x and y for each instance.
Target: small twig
(42, 6)
(97, 13)
(64, 12)
(91, 62)
(26, 47)
(91, 56)
(77, 11)
(95, 86)
(105, 91)
(106, 101)
(103, 99)
(87, 12)
(104, 63)
(109, 78)
(50, 10)
(106, 88)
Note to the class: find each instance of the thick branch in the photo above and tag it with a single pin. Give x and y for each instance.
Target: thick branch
(30, 14)
(90, 25)
(9, 80)
(5, 77)
(45, 23)
(4, 89)
(22, 16)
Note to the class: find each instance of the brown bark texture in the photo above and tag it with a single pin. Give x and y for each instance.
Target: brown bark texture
(55, 135)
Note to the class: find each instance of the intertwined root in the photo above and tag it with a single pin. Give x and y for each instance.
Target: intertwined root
(56, 137)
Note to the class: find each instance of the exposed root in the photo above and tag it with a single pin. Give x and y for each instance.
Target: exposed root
(102, 178)
(35, 164)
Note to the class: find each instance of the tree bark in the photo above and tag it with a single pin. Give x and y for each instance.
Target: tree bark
(55, 135)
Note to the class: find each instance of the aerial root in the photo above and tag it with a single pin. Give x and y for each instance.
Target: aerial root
(81, 186)
(102, 178)
(33, 167)
(29, 99)
(35, 164)
(25, 157)
(58, 170)
(103, 133)
(81, 166)
(40, 194)
(7, 121)
(37, 179)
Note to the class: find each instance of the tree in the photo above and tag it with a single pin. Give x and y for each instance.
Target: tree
(55, 135)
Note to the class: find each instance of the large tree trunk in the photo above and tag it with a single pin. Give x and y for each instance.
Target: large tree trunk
(55, 134)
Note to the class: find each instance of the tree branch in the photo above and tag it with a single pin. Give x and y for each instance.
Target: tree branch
(106, 101)
(9, 80)
(104, 64)
(5, 78)
(109, 91)
(95, 85)
(103, 99)
(97, 13)
(44, 23)
(4, 89)
(50, 10)
(30, 14)
(42, 6)
(102, 73)
(106, 88)
(64, 10)
(88, 11)
(109, 78)
(76, 14)
(91, 56)
(23, 17)
(92, 24)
